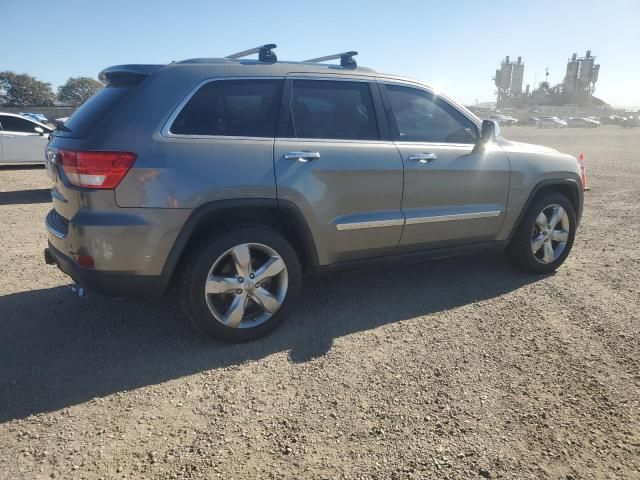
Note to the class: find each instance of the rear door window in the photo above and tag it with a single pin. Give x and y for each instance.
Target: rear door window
(421, 116)
(332, 110)
(242, 108)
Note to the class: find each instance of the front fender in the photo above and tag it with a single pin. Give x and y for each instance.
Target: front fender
(534, 168)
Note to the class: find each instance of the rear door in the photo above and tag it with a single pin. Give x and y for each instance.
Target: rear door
(453, 193)
(335, 161)
(20, 141)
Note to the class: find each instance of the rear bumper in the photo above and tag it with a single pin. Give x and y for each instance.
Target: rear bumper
(107, 283)
(134, 241)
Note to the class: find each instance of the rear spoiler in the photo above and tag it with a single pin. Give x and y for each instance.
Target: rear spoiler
(126, 75)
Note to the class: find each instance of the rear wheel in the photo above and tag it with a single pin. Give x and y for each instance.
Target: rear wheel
(545, 236)
(241, 285)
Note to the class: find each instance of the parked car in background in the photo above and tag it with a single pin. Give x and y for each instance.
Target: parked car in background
(527, 122)
(579, 122)
(38, 117)
(610, 120)
(246, 174)
(504, 120)
(630, 122)
(22, 139)
(550, 122)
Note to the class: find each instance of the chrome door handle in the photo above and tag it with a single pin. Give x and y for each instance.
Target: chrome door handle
(423, 157)
(303, 157)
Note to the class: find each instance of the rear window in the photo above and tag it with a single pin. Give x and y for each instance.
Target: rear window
(242, 108)
(94, 110)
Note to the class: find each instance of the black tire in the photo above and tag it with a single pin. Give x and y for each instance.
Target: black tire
(200, 261)
(519, 251)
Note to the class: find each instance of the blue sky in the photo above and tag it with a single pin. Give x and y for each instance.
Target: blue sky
(455, 45)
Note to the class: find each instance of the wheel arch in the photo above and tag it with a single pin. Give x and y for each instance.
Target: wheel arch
(567, 187)
(281, 215)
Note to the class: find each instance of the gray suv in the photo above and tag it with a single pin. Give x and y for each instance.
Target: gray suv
(229, 179)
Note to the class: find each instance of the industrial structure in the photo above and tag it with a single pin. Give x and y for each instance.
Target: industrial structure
(582, 75)
(508, 79)
(575, 90)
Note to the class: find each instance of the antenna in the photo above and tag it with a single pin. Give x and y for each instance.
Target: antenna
(346, 59)
(265, 53)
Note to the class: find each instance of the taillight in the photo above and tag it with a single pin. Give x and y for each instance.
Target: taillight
(100, 170)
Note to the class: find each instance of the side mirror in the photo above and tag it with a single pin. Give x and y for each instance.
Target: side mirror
(490, 131)
(39, 130)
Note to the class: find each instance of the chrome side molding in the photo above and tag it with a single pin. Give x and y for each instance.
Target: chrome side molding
(370, 224)
(416, 220)
(455, 216)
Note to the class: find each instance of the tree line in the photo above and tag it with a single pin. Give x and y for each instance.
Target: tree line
(23, 90)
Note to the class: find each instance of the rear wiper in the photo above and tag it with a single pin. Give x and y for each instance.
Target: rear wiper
(61, 126)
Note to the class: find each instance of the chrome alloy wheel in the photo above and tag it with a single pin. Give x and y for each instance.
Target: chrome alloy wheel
(246, 285)
(550, 234)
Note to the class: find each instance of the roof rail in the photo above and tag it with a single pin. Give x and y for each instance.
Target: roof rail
(265, 53)
(346, 59)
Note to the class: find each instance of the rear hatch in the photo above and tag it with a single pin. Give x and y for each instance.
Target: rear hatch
(84, 175)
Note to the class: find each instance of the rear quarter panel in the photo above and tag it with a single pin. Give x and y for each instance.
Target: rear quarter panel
(133, 227)
(185, 172)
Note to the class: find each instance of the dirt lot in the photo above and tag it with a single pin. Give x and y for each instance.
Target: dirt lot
(459, 368)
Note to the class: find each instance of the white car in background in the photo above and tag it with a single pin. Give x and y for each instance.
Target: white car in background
(579, 122)
(504, 120)
(550, 122)
(22, 139)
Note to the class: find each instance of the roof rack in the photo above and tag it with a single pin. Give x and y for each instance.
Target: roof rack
(346, 59)
(265, 53)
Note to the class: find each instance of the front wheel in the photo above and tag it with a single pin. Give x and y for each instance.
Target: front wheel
(241, 285)
(545, 235)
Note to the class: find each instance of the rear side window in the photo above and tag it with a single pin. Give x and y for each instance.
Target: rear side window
(16, 124)
(333, 110)
(242, 108)
(94, 110)
(423, 117)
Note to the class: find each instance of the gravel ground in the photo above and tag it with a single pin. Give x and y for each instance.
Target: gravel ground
(458, 368)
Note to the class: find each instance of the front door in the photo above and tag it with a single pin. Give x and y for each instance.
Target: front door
(453, 193)
(333, 161)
